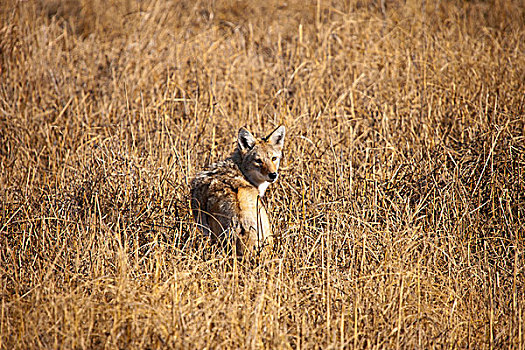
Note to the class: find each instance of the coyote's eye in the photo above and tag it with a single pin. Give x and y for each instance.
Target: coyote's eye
(274, 159)
(258, 162)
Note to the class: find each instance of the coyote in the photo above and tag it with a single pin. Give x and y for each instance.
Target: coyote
(226, 198)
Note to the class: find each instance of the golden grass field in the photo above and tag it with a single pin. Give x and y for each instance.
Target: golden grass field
(400, 207)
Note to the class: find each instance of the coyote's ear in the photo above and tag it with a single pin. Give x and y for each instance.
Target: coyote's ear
(246, 140)
(276, 138)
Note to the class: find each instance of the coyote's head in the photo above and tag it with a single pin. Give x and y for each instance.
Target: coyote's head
(259, 159)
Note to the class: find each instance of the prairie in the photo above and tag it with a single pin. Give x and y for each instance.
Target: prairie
(400, 205)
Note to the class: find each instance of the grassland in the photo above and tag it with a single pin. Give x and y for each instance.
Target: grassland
(401, 201)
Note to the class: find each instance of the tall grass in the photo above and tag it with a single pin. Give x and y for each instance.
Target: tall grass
(401, 201)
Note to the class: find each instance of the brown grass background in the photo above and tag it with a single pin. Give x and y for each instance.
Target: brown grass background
(401, 201)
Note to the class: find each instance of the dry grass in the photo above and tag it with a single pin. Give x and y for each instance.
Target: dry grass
(401, 202)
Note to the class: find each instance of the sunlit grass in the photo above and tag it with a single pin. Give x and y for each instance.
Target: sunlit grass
(400, 204)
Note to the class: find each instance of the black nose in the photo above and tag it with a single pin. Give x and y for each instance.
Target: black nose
(272, 176)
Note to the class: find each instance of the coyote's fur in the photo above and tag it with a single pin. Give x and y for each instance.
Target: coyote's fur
(226, 198)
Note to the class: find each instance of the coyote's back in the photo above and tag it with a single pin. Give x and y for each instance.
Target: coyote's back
(226, 198)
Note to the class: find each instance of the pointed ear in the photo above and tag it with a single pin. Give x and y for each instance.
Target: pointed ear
(246, 141)
(276, 138)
